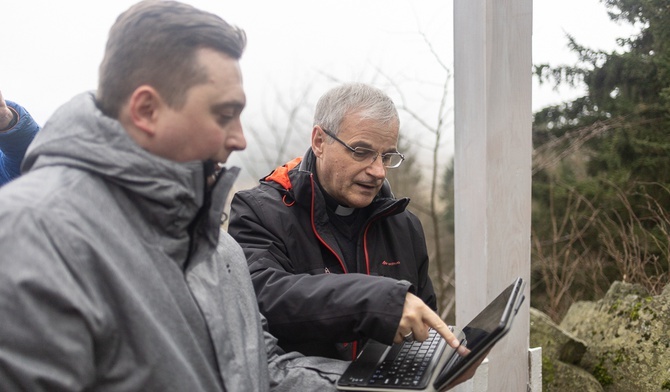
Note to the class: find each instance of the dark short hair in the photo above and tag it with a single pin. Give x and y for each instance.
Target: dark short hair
(154, 42)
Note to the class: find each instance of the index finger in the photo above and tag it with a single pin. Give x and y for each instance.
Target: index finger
(434, 321)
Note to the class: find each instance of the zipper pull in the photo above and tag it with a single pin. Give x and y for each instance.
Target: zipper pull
(326, 270)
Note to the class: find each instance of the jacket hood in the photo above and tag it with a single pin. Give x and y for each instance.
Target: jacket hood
(80, 136)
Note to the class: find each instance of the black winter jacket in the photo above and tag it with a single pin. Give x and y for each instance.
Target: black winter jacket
(310, 300)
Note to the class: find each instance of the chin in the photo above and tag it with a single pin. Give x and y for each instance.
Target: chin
(360, 202)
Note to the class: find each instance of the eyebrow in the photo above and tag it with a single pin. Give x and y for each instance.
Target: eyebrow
(367, 145)
(361, 143)
(237, 105)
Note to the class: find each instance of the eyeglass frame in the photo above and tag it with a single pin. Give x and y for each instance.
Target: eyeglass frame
(354, 149)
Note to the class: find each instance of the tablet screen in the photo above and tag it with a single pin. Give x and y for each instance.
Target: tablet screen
(482, 332)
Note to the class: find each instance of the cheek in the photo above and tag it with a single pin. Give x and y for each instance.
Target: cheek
(211, 134)
(217, 137)
(204, 139)
(343, 173)
(355, 174)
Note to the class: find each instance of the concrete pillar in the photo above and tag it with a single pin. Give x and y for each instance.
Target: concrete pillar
(493, 116)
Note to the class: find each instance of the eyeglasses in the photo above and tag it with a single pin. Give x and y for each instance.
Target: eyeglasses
(361, 154)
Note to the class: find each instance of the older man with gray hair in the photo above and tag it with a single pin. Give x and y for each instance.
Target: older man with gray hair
(334, 257)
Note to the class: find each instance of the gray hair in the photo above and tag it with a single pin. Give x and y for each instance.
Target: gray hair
(367, 101)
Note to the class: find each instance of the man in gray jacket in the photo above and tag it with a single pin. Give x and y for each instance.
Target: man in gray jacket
(115, 274)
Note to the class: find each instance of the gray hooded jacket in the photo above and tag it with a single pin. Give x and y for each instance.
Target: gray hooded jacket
(102, 288)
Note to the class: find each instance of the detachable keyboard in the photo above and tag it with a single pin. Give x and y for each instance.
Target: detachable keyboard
(406, 365)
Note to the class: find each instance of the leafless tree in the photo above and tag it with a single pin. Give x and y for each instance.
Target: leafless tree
(563, 256)
(437, 126)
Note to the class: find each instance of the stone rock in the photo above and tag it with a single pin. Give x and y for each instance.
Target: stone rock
(627, 335)
(562, 377)
(555, 342)
(560, 351)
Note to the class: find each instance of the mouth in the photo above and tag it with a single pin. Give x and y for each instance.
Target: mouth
(367, 186)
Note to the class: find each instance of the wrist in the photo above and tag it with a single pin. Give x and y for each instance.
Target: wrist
(12, 122)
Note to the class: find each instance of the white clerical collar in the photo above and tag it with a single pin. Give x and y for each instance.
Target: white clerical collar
(344, 211)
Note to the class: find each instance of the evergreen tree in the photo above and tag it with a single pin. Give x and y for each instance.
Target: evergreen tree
(611, 149)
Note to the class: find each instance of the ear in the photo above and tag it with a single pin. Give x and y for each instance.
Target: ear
(317, 140)
(143, 108)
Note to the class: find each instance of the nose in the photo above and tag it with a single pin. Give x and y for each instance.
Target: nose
(236, 140)
(377, 169)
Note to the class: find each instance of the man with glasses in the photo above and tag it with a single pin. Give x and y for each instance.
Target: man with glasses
(335, 259)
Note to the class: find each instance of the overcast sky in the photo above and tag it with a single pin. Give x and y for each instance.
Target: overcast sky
(52, 49)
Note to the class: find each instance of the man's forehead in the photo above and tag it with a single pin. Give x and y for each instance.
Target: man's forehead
(370, 127)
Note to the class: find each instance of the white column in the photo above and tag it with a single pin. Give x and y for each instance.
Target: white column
(493, 116)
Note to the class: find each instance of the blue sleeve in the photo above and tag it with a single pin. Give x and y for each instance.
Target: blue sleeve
(14, 143)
